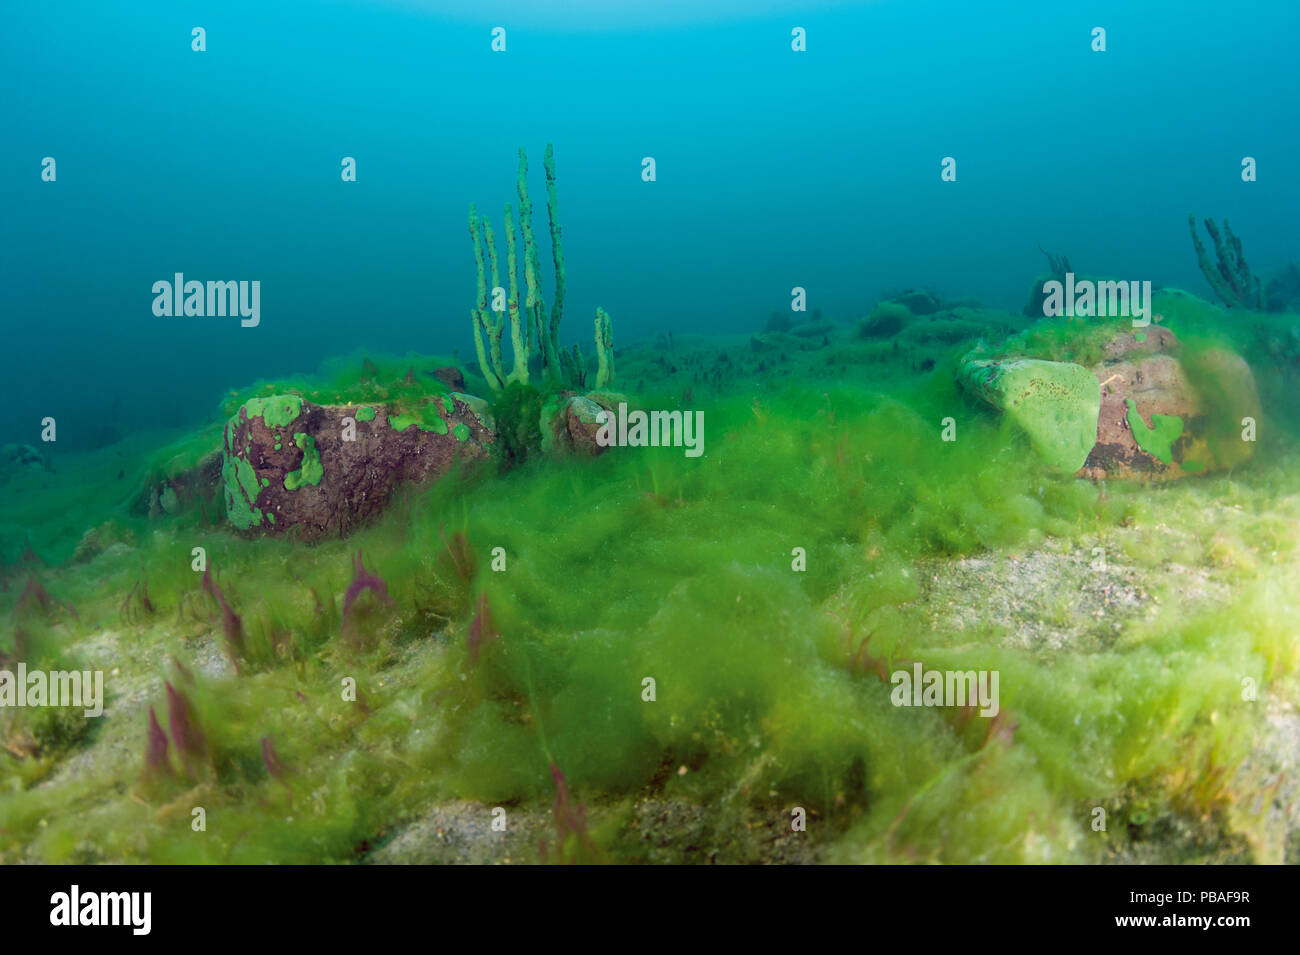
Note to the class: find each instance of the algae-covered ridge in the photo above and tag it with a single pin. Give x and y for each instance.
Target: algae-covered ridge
(708, 639)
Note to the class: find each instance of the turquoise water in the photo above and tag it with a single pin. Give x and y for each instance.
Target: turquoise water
(819, 169)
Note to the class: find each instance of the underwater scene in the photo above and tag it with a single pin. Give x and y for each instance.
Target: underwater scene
(593, 431)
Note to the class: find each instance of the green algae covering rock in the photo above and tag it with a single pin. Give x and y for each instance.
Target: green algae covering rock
(1167, 412)
(1158, 439)
(569, 422)
(1054, 403)
(426, 418)
(1164, 410)
(279, 411)
(311, 471)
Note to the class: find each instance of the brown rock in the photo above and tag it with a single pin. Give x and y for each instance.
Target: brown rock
(1158, 383)
(304, 478)
(570, 424)
(451, 377)
(1139, 341)
(581, 424)
(160, 495)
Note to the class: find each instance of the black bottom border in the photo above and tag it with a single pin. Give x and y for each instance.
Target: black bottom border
(304, 904)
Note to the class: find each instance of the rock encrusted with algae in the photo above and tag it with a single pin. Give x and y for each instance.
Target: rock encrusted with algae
(569, 422)
(1166, 414)
(1055, 403)
(1135, 403)
(290, 466)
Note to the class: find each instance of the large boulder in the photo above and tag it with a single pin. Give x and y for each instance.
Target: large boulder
(1165, 415)
(178, 486)
(17, 460)
(569, 422)
(290, 466)
(886, 320)
(1148, 409)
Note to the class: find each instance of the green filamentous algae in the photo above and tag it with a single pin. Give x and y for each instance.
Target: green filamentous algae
(482, 446)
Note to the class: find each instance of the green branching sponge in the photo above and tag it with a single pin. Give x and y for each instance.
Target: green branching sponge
(557, 251)
(531, 324)
(488, 325)
(520, 339)
(1230, 276)
(534, 310)
(604, 349)
(575, 369)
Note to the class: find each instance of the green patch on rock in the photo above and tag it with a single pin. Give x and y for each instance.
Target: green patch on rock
(311, 471)
(365, 414)
(241, 490)
(461, 431)
(279, 411)
(246, 478)
(1157, 440)
(427, 419)
(1055, 403)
